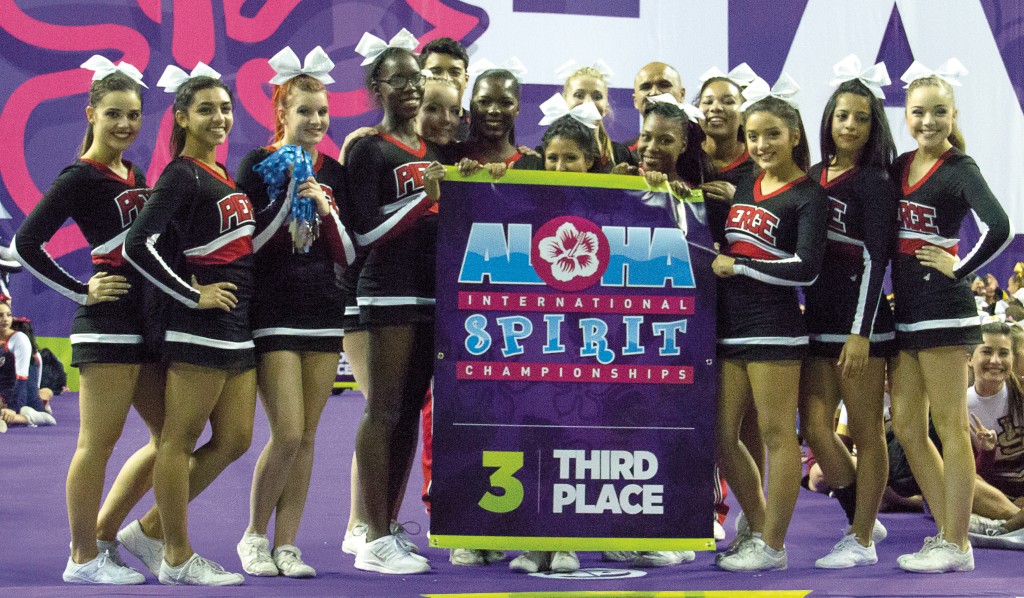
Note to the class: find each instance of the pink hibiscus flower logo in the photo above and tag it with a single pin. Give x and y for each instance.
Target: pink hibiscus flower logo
(570, 253)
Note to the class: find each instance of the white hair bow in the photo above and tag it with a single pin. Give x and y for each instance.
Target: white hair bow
(174, 77)
(874, 78)
(370, 46)
(556, 107)
(512, 65)
(950, 72)
(286, 66)
(784, 89)
(571, 66)
(102, 67)
(692, 112)
(741, 74)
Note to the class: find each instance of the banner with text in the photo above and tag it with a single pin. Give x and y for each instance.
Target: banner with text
(574, 392)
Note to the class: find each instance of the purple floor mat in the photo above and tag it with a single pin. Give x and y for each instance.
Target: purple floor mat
(34, 536)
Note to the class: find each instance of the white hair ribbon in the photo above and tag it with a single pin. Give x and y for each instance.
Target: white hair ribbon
(512, 65)
(874, 78)
(556, 107)
(286, 66)
(174, 77)
(571, 66)
(741, 74)
(950, 72)
(370, 46)
(693, 113)
(784, 89)
(102, 67)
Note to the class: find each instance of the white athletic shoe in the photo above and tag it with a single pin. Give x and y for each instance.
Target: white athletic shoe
(619, 556)
(3, 426)
(38, 418)
(467, 557)
(564, 562)
(879, 533)
(940, 557)
(663, 558)
(355, 539)
(754, 555)
(494, 556)
(288, 559)
(743, 535)
(386, 555)
(848, 553)
(111, 548)
(1007, 540)
(197, 571)
(148, 550)
(101, 570)
(929, 543)
(531, 561)
(986, 526)
(398, 530)
(254, 552)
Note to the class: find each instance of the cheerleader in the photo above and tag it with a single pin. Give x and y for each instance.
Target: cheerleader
(393, 183)
(775, 232)
(590, 84)
(297, 315)
(669, 146)
(19, 390)
(103, 193)
(493, 108)
(208, 341)
(936, 317)
(848, 320)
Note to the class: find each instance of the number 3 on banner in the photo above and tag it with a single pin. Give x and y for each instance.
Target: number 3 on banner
(507, 463)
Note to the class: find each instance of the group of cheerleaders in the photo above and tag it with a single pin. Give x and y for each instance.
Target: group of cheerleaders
(208, 241)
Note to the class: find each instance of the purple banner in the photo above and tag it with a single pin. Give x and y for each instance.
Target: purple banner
(574, 392)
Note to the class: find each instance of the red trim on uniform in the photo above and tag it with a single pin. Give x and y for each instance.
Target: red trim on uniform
(825, 183)
(907, 187)
(909, 246)
(513, 158)
(744, 249)
(418, 153)
(227, 181)
(110, 174)
(20, 377)
(743, 158)
(319, 162)
(635, 145)
(224, 254)
(759, 197)
(114, 259)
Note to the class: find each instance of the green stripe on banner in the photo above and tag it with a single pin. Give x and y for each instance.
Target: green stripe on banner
(631, 594)
(555, 543)
(572, 179)
(61, 347)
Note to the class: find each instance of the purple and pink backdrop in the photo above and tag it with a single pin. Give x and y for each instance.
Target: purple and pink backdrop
(43, 92)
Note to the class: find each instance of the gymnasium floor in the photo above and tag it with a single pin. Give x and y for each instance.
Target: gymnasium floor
(34, 536)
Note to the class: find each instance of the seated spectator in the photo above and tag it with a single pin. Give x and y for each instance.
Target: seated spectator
(1015, 286)
(996, 405)
(21, 402)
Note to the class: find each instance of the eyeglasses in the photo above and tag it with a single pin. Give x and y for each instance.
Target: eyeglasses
(398, 81)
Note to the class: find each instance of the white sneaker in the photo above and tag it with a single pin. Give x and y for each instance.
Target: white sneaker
(494, 556)
(111, 548)
(754, 555)
(564, 562)
(288, 559)
(386, 555)
(743, 535)
(848, 553)
(38, 418)
(1007, 540)
(929, 543)
(254, 552)
(467, 557)
(531, 561)
(101, 570)
(941, 557)
(719, 531)
(355, 539)
(879, 533)
(986, 526)
(663, 558)
(398, 530)
(3, 426)
(197, 571)
(148, 550)
(619, 556)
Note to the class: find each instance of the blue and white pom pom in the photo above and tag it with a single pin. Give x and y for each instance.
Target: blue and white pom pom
(283, 171)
